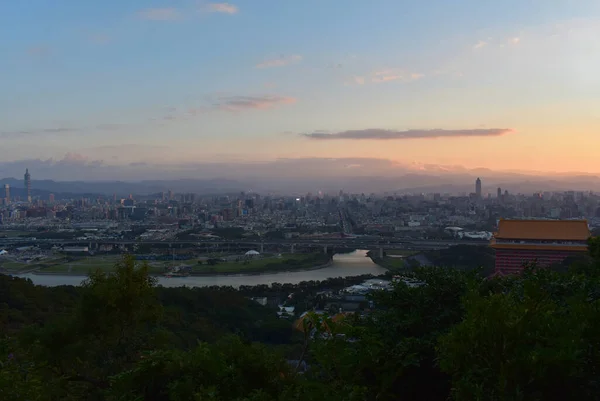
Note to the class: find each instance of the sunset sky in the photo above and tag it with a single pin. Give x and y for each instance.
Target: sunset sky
(506, 85)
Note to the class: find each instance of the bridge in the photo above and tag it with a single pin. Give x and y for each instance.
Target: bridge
(328, 244)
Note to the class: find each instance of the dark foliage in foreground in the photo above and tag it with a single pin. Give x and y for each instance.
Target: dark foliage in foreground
(119, 337)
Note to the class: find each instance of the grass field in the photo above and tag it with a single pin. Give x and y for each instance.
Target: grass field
(85, 265)
(92, 263)
(393, 263)
(394, 259)
(285, 262)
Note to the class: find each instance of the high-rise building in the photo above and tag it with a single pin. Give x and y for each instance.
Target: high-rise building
(51, 198)
(28, 184)
(499, 192)
(7, 193)
(478, 188)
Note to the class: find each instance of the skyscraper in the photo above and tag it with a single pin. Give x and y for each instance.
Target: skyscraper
(499, 192)
(28, 184)
(478, 188)
(7, 193)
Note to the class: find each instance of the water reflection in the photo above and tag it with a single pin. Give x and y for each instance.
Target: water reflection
(350, 264)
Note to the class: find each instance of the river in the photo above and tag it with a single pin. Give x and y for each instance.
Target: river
(344, 265)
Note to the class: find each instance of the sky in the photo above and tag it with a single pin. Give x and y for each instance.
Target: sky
(115, 85)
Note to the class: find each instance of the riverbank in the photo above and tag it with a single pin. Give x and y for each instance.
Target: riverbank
(258, 273)
(197, 268)
(394, 261)
(192, 274)
(342, 265)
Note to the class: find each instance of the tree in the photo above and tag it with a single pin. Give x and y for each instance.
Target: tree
(529, 338)
(228, 370)
(115, 321)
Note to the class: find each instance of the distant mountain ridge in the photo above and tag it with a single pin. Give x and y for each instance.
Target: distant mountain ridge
(407, 183)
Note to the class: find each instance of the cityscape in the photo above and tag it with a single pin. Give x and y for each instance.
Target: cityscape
(299, 200)
(233, 224)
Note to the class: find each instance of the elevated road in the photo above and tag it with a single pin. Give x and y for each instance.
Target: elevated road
(359, 243)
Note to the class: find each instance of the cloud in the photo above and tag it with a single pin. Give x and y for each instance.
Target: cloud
(394, 75)
(222, 8)
(99, 39)
(38, 51)
(57, 130)
(159, 14)
(20, 133)
(109, 127)
(74, 158)
(514, 41)
(280, 61)
(238, 103)
(359, 80)
(480, 45)
(382, 134)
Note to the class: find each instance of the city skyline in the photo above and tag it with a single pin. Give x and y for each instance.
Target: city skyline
(179, 87)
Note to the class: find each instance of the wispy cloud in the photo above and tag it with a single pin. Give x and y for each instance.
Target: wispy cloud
(480, 45)
(22, 133)
(394, 75)
(387, 75)
(239, 103)
(357, 80)
(38, 51)
(382, 134)
(222, 8)
(280, 61)
(159, 14)
(18, 134)
(99, 39)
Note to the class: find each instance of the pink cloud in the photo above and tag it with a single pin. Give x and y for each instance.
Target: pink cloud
(222, 8)
(239, 103)
(394, 75)
(480, 45)
(383, 134)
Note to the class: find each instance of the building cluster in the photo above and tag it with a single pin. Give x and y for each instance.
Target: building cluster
(413, 216)
(6, 200)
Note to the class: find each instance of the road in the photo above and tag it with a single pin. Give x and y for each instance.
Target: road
(357, 243)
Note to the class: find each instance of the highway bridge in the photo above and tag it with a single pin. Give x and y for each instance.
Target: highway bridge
(329, 244)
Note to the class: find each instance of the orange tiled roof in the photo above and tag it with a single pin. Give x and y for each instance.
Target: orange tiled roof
(540, 247)
(564, 230)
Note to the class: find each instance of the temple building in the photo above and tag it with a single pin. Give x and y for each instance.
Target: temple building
(545, 242)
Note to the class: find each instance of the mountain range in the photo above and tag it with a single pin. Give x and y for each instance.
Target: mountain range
(408, 183)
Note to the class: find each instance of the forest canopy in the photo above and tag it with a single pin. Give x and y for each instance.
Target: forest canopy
(457, 336)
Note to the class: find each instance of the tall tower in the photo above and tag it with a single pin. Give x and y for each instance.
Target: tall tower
(28, 184)
(478, 188)
(7, 193)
